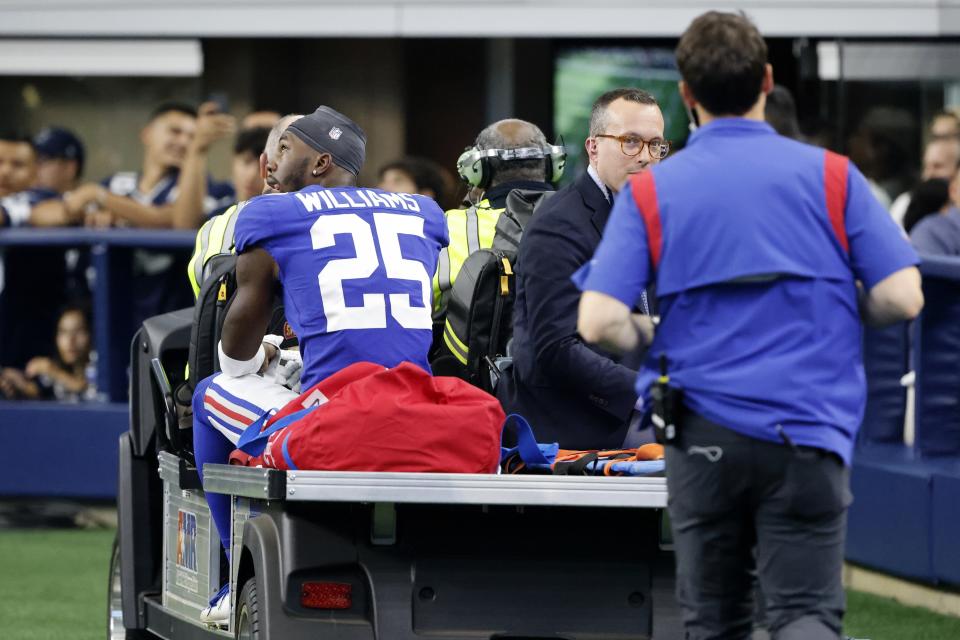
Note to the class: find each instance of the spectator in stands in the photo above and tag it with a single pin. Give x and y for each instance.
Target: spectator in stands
(20, 202)
(216, 235)
(60, 157)
(573, 393)
(781, 112)
(929, 197)
(941, 159)
(171, 138)
(67, 375)
(940, 234)
(171, 190)
(945, 124)
(28, 309)
(198, 195)
(473, 227)
(416, 175)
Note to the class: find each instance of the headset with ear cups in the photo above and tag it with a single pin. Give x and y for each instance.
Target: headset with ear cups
(474, 165)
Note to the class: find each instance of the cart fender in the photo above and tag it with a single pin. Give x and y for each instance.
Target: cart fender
(261, 540)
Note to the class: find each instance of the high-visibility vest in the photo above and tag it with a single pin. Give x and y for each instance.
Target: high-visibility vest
(470, 230)
(215, 237)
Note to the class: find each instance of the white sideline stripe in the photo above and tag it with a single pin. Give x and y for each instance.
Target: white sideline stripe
(231, 405)
(225, 418)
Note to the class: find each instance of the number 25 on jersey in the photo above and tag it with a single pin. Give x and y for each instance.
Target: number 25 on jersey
(372, 314)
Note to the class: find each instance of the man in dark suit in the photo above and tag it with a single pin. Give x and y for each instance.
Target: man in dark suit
(573, 393)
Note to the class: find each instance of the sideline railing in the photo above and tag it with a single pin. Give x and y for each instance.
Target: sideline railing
(111, 256)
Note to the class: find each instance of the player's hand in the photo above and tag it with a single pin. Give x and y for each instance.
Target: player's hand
(39, 367)
(289, 368)
(212, 126)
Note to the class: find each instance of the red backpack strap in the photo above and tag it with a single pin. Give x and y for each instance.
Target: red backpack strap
(835, 171)
(644, 191)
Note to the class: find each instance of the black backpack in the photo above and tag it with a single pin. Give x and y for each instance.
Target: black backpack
(479, 314)
(209, 311)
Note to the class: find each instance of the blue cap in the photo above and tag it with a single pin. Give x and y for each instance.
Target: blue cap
(54, 142)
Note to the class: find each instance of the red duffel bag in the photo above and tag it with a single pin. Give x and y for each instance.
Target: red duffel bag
(374, 419)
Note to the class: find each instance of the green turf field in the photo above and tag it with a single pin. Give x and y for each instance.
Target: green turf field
(53, 586)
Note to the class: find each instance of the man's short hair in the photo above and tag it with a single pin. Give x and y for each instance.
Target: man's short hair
(598, 114)
(722, 58)
(425, 173)
(781, 112)
(17, 137)
(508, 171)
(172, 107)
(252, 141)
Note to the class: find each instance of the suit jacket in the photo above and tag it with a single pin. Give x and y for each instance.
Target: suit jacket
(571, 393)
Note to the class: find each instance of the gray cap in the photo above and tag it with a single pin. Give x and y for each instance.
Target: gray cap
(329, 131)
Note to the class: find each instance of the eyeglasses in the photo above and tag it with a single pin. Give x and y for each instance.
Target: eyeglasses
(633, 145)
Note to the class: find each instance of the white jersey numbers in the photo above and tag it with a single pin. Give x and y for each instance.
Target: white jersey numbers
(372, 313)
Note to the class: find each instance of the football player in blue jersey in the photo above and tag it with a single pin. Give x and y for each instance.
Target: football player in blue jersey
(356, 267)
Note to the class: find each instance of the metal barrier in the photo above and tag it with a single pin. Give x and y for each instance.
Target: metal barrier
(111, 256)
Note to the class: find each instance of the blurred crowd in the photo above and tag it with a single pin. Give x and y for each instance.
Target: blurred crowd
(43, 184)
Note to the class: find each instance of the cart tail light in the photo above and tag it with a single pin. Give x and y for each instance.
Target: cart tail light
(326, 595)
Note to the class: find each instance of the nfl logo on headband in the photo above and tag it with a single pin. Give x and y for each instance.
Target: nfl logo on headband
(335, 133)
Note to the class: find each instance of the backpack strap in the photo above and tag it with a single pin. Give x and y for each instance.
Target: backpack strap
(253, 441)
(835, 171)
(644, 191)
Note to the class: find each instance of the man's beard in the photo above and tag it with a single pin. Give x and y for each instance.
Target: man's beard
(296, 181)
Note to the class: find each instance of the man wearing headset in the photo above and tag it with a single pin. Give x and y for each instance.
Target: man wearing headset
(507, 155)
(573, 393)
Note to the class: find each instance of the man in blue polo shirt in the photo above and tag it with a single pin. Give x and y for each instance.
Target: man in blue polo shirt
(765, 253)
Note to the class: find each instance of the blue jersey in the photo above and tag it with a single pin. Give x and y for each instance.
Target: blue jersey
(15, 208)
(356, 267)
(758, 302)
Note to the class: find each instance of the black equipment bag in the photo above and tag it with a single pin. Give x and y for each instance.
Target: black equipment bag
(209, 311)
(479, 318)
(479, 307)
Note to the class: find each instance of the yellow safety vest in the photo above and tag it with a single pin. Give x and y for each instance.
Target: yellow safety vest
(470, 230)
(215, 237)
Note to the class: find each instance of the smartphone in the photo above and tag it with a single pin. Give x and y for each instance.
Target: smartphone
(222, 101)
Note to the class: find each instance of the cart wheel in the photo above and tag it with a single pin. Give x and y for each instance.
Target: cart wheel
(115, 628)
(248, 612)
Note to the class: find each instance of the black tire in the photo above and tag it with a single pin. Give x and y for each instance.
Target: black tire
(248, 612)
(115, 628)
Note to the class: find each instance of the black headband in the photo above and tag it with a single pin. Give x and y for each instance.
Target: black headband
(329, 131)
